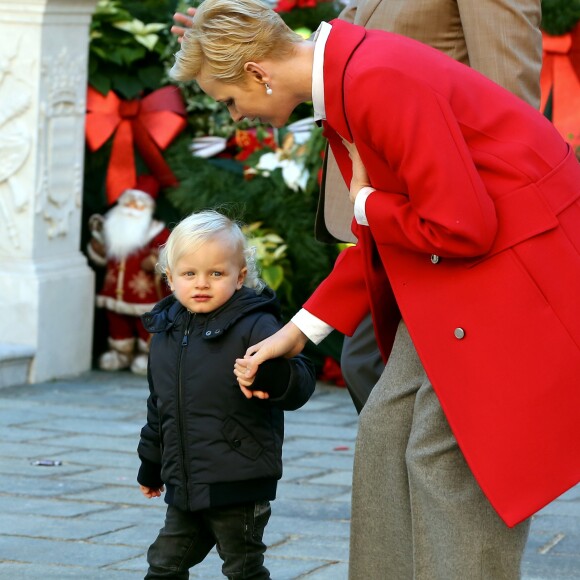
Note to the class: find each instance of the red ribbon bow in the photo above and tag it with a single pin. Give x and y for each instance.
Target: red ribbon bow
(150, 124)
(561, 75)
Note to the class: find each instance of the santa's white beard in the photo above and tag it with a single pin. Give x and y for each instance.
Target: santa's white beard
(126, 230)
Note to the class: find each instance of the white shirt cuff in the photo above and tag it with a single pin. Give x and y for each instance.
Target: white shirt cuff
(360, 205)
(314, 328)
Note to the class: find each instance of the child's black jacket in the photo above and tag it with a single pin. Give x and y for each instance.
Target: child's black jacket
(203, 439)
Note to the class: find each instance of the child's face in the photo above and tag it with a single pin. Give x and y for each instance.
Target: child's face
(207, 278)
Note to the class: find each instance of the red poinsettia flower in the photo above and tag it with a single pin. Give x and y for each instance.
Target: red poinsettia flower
(247, 141)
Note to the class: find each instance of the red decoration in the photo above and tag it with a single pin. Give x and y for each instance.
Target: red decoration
(561, 76)
(331, 372)
(289, 5)
(147, 184)
(247, 141)
(150, 124)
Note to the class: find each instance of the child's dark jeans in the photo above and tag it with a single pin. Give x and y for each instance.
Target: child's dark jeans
(187, 537)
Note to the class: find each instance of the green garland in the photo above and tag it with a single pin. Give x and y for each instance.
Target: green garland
(560, 16)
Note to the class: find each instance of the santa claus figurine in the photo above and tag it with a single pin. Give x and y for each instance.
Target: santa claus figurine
(126, 240)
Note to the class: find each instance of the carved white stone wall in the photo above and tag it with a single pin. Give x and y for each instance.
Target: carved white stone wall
(46, 286)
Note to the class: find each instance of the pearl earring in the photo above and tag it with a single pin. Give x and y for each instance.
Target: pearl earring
(268, 89)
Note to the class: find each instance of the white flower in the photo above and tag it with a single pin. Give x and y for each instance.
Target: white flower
(294, 173)
(143, 33)
(268, 162)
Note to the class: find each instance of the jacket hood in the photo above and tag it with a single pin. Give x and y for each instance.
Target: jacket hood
(169, 311)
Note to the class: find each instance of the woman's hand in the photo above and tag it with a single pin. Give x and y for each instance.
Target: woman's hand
(182, 23)
(360, 177)
(288, 342)
(245, 381)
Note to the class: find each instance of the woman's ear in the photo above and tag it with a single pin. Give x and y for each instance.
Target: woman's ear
(256, 72)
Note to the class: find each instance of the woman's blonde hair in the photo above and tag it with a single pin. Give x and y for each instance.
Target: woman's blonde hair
(199, 227)
(226, 34)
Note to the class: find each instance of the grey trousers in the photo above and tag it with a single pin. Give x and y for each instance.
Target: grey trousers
(417, 511)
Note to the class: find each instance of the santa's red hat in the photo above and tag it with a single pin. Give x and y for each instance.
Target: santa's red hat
(148, 184)
(145, 190)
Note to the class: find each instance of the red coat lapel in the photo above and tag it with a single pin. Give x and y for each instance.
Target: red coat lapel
(340, 48)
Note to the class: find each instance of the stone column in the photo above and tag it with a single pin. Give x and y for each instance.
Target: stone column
(46, 285)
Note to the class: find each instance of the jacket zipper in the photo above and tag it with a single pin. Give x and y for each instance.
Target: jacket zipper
(180, 412)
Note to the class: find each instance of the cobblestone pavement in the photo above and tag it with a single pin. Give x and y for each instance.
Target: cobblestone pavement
(85, 519)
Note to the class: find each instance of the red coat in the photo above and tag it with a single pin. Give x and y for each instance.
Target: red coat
(474, 235)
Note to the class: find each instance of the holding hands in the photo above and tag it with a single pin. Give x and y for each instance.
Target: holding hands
(287, 342)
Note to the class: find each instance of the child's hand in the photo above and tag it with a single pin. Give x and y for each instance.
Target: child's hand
(241, 370)
(150, 492)
(288, 342)
(248, 393)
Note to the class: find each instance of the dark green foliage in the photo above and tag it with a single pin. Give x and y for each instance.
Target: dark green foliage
(560, 16)
(117, 61)
(311, 17)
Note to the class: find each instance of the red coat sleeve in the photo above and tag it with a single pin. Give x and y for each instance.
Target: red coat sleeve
(403, 126)
(341, 298)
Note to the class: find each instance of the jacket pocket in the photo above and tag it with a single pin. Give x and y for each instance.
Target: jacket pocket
(522, 215)
(240, 439)
(533, 209)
